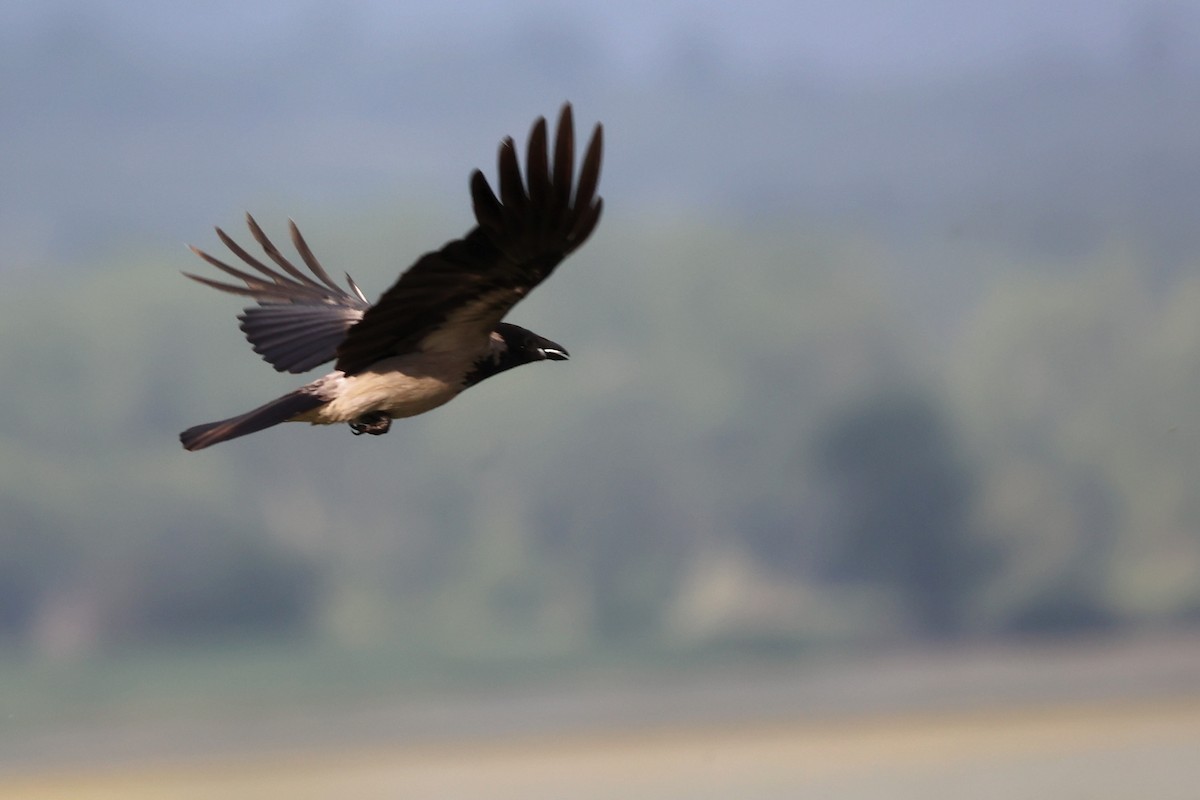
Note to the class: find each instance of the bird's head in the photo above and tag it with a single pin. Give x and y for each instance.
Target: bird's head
(511, 347)
(524, 346)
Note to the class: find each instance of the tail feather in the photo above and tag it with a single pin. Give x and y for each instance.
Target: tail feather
(278, 410)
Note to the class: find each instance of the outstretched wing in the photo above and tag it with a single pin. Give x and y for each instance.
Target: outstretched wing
(451, 299)
(298, 322)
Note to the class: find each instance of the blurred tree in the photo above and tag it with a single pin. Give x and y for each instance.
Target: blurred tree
(1079, 392)
(617, 533)
(217, 583)
(32, 559)
(903, 495)
(1068, 594)
(1076, 383)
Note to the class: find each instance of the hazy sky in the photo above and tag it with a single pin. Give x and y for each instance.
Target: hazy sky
(128, 119)
(854, 38)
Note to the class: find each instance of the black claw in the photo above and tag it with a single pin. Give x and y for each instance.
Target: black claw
(375, 423)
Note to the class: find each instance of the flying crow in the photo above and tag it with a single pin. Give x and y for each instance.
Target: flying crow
(437, 331)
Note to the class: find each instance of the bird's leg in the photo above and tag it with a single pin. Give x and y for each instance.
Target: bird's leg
(375, 423)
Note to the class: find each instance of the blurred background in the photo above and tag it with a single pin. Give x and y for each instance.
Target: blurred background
(882, 412)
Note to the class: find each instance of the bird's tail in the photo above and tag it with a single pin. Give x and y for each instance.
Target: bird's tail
(278, 410)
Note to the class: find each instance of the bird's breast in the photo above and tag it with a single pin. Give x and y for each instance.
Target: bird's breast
(400, 387)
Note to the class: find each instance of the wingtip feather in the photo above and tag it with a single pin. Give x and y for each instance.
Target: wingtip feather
(487, 208)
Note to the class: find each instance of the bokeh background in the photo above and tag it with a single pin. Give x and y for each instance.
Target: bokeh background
(884, 398)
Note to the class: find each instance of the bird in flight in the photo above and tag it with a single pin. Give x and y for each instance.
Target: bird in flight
(438, 330)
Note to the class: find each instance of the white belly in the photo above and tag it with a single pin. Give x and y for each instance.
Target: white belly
(395, 386)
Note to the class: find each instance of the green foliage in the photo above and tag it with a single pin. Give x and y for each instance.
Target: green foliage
(1036, 476)
(213, 584)
(904, 497)
(1078, 392)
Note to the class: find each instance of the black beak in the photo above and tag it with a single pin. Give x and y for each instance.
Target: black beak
(553, 352)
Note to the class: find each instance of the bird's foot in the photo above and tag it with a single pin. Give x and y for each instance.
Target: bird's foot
(375, 423)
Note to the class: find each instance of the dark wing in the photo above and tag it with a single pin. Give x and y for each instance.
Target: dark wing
(451, 299)
(298, 322)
